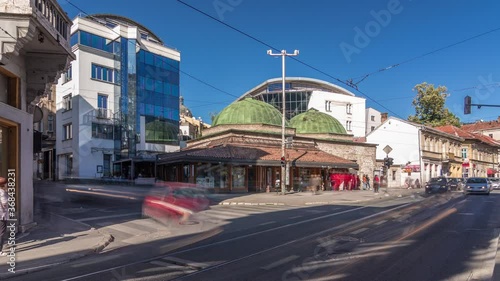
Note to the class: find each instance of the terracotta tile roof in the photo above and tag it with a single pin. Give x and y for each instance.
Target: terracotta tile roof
(468, 135)
(269, 155)
(482, 125)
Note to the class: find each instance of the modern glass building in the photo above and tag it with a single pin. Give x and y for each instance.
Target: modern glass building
(304, 93)
(126, 84)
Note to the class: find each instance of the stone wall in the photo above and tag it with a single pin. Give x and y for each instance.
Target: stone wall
(363, 154)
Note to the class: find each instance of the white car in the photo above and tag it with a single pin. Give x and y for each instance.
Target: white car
(495, 183)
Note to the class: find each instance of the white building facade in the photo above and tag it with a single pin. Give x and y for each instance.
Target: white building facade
(306, 93)
(373, 119)
(418, 152)
(34, 40)
(118, 103)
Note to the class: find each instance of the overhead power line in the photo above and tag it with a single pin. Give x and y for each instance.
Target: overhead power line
(349, 83)
(363, 77)
(181, 71)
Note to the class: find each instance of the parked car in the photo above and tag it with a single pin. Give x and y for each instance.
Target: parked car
(477, 185)
(174, 202)
(455, 183)
(495, 183)
(437, 185)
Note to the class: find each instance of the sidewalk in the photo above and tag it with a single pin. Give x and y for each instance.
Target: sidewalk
(57, 240)
(308, 198)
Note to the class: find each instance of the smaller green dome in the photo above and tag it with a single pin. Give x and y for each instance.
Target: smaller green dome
(248, 111)
(315, 122)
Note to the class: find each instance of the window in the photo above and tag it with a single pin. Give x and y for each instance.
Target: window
(102, 131)
(67, 102)
(328, 106)
(50, 123)
(464, 153)
(69, 74)
(348, 108)
(372, 128)
(372, 117)
(68, 131)
(348, 125)
(491, 135)
(103, 73)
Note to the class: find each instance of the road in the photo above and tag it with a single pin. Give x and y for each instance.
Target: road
(444, 237)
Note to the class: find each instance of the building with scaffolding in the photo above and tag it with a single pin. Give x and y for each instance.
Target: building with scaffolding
(118, 103)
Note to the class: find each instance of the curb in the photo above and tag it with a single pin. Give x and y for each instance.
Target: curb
(105, 241)
(381, 196)
(250, 204)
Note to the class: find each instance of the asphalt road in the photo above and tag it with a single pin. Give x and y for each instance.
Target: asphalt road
(445, 237)
(231, 241)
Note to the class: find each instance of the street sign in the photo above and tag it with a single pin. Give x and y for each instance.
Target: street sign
(387, 149)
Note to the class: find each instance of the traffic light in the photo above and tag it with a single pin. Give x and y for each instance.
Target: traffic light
(388, 162)
(467, 104)
(282, 161)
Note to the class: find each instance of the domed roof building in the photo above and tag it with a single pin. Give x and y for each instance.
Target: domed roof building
(248, 111)
(241, 151)
(315, 122)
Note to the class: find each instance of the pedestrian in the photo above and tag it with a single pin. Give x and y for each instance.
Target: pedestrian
(364, 182)
(368, 183)
(358, 182)
(376, 183)
(3, 213)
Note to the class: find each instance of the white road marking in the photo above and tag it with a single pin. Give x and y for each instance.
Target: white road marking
(360, 230)
(466, 214)
(198, 265)
(295, 217)
(108, 217)
(266, 223)
(166, 264)
(380, 222)
(280, 262)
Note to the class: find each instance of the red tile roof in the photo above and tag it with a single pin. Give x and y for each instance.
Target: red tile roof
(482, 125)
(450, 129)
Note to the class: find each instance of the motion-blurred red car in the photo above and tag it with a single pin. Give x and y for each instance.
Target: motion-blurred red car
(174, 202)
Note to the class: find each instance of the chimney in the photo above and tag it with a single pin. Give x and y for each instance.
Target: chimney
(383, 117)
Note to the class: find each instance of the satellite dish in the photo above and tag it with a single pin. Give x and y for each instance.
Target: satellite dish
(37, 114)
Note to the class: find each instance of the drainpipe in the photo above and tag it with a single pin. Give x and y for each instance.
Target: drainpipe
(420, 155)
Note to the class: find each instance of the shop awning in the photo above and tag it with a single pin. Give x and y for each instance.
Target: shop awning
(491, 171)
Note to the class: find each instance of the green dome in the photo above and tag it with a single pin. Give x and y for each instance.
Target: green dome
(315, 122)
(248, 111)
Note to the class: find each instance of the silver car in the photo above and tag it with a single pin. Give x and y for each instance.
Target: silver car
(477, 185)
(495, 183)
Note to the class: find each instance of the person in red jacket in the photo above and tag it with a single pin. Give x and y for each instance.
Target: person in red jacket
(376, 183)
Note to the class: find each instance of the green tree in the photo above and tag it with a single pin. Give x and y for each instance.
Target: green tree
(430, 106)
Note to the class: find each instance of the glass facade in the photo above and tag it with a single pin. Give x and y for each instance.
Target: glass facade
(95, 41)
(158, 97)
(148, 86)
(296, 102)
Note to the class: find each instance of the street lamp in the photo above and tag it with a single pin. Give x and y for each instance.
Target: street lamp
(283, 54)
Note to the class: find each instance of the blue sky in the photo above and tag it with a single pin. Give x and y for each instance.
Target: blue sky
(328, 35)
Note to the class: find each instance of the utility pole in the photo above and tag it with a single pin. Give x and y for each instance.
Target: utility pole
(283, 55)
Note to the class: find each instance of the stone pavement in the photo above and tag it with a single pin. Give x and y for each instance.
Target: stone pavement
(57, 240)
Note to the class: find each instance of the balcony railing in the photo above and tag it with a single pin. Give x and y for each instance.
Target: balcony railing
(54, 15)
(103, 113)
